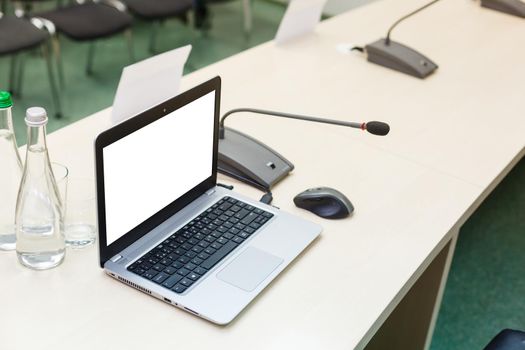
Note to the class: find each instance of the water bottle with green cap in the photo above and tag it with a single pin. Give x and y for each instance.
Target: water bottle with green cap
(40, 242)
(10, 173)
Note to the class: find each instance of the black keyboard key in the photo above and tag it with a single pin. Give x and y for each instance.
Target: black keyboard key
(258, 211)
(218, 255)
(159, 267)
(170, 270)
(249, 230)
(139, 271)
(244, 234)
(203, 256)
(268, 215)
(190, 266)
(227, 225)
(150, 274)
(216, 234)
(216, 245)
(249, 207)
(160, 277)
(235, 208)
(177, 265)
(200, 270)
(240, 226)
(190, 254)
(199, 236)
(184, 259)
(222, 229)
(249, 218)
(171, 281)
(209, 250)
(186, 282)
(193, 276)
(255, 225)
(187, 246)
(234, 231)
(197, 249)
(241, 214)
(210, 239)
(232, 200)
(229, 213)
(183, 272)
(225, 206)
(233, 220)
(197, 261)
(222, 240)
(238, 240)
(193, 241)
(179, 288)
(228, 235)
(166, 261)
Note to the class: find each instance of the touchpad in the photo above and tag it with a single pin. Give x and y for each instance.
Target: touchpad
(249, 269)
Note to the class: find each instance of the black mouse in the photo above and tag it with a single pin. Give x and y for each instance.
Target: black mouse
(324, 202)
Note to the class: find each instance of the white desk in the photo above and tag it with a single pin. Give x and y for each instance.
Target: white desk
(454, 137)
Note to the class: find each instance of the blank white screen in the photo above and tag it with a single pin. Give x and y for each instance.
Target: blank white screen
(153, 166)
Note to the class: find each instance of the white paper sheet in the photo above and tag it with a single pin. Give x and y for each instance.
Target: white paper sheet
(147, 83)
(300, 19)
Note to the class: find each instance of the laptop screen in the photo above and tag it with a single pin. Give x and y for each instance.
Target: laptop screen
(154, 165)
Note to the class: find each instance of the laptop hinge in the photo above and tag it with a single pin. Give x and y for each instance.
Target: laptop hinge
(210, 191)
(116, 258)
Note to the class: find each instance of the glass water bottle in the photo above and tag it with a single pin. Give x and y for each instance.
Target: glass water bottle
(10, 174)
(39, 221)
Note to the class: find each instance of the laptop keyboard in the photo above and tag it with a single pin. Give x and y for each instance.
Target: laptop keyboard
(184, 257)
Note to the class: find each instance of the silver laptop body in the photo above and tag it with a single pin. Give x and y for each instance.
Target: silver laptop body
(130, 224)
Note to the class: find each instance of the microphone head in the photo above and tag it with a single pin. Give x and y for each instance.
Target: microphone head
(377, 128)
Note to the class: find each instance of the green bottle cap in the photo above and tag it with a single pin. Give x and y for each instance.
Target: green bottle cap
(5, 99)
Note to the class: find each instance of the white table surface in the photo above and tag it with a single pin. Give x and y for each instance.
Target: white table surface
(454, 136)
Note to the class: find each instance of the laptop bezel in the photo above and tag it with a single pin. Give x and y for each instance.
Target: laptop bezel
(131, 125)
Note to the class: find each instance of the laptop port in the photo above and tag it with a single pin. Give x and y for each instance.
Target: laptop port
(167, 300)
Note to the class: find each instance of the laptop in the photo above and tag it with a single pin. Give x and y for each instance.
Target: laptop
(167, 229)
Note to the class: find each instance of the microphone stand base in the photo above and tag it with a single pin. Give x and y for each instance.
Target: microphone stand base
(511, 7)
(251, 161)
(400, 57)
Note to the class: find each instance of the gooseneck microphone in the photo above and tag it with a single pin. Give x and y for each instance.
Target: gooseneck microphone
(251, 161)
(373, 127)
(387, 39)
(394, 55)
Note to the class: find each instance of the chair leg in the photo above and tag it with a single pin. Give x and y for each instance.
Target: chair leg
(91, 54)
(58, 58)
(247, 9)
(20, 77)
(12, 74)
(54, 91)
(129, 38)
(153, 38)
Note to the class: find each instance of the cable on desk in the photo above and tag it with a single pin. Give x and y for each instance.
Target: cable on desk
(267, 198)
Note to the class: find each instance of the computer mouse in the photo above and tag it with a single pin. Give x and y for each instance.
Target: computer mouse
(325, 202)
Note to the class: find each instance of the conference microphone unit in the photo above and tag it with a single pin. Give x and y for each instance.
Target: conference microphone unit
(394, 55)
(511, 7)
(251, 161)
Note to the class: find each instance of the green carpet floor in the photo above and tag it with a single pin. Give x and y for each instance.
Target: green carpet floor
(485, 291)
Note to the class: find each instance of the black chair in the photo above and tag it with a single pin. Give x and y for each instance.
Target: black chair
(507, 339)
(19, 35)
(88, 22)
(157, 11)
